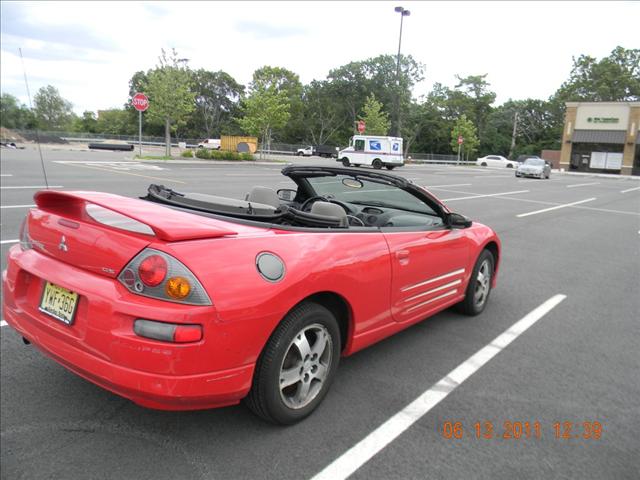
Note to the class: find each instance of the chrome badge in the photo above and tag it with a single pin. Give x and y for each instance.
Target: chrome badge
(63, 245)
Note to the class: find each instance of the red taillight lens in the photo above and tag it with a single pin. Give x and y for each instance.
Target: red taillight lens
(187, 333)
(152, 270)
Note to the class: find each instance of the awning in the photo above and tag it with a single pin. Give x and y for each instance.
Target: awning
(599, 136)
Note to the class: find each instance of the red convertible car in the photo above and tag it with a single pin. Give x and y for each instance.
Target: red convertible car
(187, 301)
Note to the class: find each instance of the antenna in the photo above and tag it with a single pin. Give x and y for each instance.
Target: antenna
(44, 172)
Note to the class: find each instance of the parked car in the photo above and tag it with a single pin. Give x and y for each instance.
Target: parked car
(210, 143)
(534, 167)
(495, 161)
(183, 301)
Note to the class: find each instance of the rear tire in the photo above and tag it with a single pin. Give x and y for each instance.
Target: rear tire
(303, 354)
(377, 164)
(345, 162)
(479, 287)
(390, 167)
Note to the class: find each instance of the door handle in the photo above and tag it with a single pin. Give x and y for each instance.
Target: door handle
(403, 257)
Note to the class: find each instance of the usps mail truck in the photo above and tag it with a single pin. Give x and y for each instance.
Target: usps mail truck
(373, 150)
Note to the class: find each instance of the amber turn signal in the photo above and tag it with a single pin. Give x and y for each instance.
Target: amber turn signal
(178, 288)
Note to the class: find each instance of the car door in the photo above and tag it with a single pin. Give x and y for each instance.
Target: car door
(428, 269)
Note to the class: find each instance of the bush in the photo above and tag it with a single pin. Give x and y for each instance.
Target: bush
(222, 155)
(187, 154)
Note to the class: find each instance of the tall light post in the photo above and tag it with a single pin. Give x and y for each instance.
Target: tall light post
(403, 13)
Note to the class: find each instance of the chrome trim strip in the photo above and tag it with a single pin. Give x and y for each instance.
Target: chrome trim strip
(437, 289)
(448, 294)
(431, 280)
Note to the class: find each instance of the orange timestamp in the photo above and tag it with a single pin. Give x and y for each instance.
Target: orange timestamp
(516, 430)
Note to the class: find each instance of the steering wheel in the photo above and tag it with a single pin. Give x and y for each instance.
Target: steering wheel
(309, 201)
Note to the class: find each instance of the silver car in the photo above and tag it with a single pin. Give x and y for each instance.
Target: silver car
(534, 167)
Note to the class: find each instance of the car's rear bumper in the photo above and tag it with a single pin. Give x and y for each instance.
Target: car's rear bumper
(102, 348)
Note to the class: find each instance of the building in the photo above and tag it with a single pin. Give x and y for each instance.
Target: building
(601, 137)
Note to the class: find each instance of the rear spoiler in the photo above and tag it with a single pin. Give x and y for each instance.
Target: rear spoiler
(167, 224)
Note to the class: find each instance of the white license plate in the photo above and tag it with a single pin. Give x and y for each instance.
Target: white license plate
(59, 302)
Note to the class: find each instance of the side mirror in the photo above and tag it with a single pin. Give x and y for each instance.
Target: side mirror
(455, 220)
(287, 194)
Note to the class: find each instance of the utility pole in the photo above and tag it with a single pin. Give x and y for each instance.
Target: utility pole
(513, 135)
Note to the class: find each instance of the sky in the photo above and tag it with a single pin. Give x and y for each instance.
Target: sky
(90, 50)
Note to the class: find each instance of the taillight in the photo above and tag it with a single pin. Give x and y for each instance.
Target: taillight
(156, 274)
(25, 241)
(152, 270)
(167, 332)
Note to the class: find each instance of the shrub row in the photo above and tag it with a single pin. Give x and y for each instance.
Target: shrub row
(221, 155)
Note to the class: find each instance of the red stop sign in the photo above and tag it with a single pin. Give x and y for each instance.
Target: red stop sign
(460, 140)
(361, 126)
(140, 102)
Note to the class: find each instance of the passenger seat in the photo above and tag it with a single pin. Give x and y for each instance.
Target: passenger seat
(328, 209)
(265, 195)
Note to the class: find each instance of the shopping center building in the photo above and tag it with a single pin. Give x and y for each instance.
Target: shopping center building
(601, 137)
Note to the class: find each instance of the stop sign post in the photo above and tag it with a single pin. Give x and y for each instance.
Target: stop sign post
(140, 102)
(361, 126)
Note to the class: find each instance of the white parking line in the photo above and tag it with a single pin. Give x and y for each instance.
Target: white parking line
(454, 185)
(482, 196)
(629, 190)
(5, 242)
(368, 447)
(492, 176)
(555, 208)
(17, 206)
(582, 184)
(32, 187)
(6, 175)
(3, 323)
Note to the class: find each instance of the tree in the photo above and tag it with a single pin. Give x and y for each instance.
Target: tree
(52, 111)
(614, 78)
(322, 117)
(15, 115)
(86, 124)
(217, 97)
(115, 121)
(376, 121)
(171, 98)
(464, 128)
(264, 110)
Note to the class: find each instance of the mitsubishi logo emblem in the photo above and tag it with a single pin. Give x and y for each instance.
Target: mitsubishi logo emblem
(63, 245)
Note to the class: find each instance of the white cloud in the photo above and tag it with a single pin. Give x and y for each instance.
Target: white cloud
(90, 50)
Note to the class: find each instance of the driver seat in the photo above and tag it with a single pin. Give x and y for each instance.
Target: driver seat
(327, 209)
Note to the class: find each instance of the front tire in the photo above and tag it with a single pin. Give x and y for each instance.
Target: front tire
(377, 164)
(345, 162)
(479, 287)
(483, 164)
(297, 365)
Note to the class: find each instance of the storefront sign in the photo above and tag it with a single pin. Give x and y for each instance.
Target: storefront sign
(603, 120)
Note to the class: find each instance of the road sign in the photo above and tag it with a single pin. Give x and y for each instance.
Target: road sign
(361, 126)
(460, 140)
(140, 102)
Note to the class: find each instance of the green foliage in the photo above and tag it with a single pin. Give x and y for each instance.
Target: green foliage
(376, 121)
(464, 127)
(206, 154)
(87, 123)
(117, 122)
(171, 99)
(52, 111)
(612, 79)
(14, 115)
(187, 154)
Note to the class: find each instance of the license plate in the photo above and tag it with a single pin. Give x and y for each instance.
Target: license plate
(59, 302)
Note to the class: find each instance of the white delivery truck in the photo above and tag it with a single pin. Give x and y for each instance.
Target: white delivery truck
(210, 143)
(373, 150)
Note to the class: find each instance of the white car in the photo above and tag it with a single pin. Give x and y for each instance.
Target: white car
(496, 161)
(210, 143)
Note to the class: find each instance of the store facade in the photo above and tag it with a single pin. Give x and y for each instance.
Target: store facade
(601, 137)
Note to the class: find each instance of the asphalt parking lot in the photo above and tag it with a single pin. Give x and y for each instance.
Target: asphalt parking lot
(576, 236)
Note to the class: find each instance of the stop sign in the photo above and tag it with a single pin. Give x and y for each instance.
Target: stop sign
(140, 102)
(361, 126)
(460, 140)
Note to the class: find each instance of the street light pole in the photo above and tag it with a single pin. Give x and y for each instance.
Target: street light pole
(403, 13)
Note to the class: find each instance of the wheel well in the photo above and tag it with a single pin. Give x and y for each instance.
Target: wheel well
(493, 248)
(339, 307)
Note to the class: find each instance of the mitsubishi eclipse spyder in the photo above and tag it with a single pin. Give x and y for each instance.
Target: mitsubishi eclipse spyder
(182, 301)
